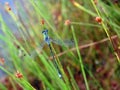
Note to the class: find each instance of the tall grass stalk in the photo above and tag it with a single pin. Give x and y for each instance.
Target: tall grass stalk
(105, 29)
(80, 60)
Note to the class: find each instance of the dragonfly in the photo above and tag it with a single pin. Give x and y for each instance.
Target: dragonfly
(48, 41)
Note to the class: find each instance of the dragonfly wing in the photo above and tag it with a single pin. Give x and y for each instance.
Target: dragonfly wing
(63, 43)
(56, 41)
(37, 50)
(69, 42)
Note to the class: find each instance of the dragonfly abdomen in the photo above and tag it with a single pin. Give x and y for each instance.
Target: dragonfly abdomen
(47, 40)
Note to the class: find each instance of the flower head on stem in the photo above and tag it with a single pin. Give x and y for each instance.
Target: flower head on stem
(18, 74)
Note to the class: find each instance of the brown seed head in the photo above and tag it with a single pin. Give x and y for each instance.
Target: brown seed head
(2, 61)
(42, 22)
(67, 22)
(18, 74)
(98, 19)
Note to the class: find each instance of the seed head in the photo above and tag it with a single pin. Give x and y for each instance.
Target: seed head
(98, 19)
(7, 3)
(95, 2)
(18, 74)
(2, 61)
(67, 22)
(7, 6)
(42, 22)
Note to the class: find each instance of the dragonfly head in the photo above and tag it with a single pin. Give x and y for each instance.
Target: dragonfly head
(45, 32)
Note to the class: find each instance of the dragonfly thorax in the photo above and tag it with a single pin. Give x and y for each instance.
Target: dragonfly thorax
(45, 32)
(47, 40)
(46, 37)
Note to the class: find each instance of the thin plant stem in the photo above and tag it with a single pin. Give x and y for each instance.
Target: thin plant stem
(86, 46)
(105, 29)
(80, 60)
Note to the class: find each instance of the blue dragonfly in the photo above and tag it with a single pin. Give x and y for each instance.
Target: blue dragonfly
(48, 40)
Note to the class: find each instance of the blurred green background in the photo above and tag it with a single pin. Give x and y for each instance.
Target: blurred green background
(91, 64)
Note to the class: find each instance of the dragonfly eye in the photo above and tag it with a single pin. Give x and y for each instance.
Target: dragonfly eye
(45, 31)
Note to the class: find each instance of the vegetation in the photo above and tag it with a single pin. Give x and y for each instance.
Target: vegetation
(92, 63)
